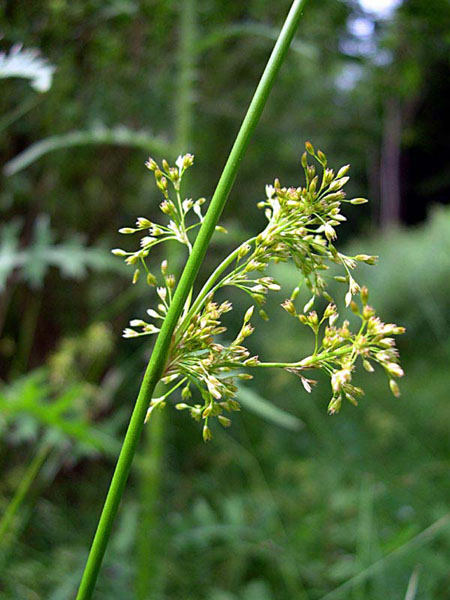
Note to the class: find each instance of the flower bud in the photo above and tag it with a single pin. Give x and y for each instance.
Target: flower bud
(289, 307)
(304, 160)
(330, 232)
(170, 281)
(245, 376)
(394, 388)
(207, 411)
(207, 433)
(224, 421)
(132, 260)
(370, 260)
(368, 311)
(253, 361)
(309, 148)
(322, 158)
(394, 369)
(243, 250)
(335, 405)
(151, 280)
(118, 252)
(329, 311)
(248, 314)
(337, 184)
(341, 278)
(186, 393)
(309, 305)
(151, 164)
(162, 184)
(364, 294)
(342, 171)
(313, 318)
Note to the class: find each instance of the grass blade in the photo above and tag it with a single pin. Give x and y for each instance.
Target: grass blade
(267, 410)
(424, 537)
(413, 585)
(118, 136)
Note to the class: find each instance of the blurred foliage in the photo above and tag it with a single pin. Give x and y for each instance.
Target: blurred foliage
(289, 504)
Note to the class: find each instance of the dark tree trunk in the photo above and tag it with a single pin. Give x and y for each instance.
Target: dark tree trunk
(390, 199)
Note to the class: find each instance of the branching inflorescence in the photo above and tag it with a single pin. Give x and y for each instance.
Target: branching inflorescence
(301, 226)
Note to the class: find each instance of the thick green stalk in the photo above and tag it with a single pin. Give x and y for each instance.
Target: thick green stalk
(149, 578)
(162, 344)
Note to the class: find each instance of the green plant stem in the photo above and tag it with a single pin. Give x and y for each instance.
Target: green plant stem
(163, 342)
(148, 550)
(18, 112)
(186, 77)
(21, 493)
(149, 578)
(26, 337)
(209, 284)
(301, 363)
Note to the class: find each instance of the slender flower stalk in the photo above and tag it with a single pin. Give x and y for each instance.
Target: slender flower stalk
(161, 349)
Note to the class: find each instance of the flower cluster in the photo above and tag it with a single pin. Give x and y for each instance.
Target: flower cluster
(302, 223)
(339, 349)
(176, 209)
(207, 367)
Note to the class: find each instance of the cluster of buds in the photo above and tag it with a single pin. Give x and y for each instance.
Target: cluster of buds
(302, 224)
(302, 227)
(165, 291)
(208, 368)
(339, 350)
(177, 209)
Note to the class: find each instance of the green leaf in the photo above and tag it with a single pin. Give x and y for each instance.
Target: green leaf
(29, 405)
(71, 257)
(249, 29)
(118, 136)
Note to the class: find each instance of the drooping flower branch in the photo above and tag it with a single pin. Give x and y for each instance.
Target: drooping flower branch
(301, 226)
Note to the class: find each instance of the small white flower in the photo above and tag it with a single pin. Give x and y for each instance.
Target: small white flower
(395, 369)
(179, 162)
(270, 191)
(147, 241)
(129, 333)
(339, 378)
(137, 323)
(28, 65)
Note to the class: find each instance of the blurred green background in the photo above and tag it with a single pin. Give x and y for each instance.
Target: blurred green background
(289, 503)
